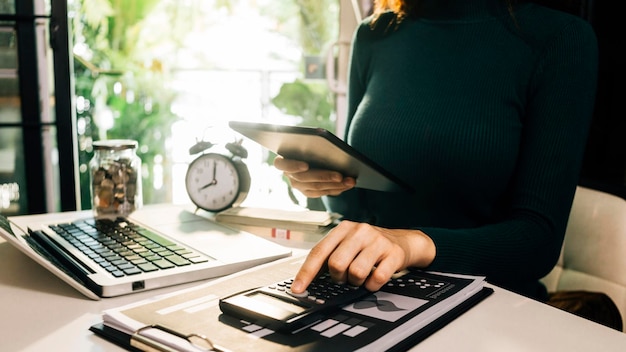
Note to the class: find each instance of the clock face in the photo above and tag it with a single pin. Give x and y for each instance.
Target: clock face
(215, 182)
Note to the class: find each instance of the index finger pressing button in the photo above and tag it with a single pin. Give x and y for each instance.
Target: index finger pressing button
(303, 294)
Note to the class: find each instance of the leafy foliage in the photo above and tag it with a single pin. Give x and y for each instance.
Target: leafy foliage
(124, 50)
(122, 95)
(311, 101)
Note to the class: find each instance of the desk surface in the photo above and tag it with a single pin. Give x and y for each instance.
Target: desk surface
(40, 312)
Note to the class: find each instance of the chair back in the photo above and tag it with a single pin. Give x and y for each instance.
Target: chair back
(593, 257)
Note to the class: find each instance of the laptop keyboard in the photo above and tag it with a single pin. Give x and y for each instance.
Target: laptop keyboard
(124, 248)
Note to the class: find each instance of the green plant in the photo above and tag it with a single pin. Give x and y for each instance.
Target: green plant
(124, 50)
(312, 102)
(121, 90)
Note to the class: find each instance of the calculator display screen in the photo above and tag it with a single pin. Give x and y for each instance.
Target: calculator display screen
(277, 303)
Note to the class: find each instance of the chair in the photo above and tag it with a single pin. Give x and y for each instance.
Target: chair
(593, 257)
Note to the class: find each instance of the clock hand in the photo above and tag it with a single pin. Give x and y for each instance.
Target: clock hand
(213, 182)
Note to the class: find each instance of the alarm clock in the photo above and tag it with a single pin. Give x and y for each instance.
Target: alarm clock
(215, 181)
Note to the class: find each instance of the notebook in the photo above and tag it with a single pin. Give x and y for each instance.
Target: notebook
(156, 246)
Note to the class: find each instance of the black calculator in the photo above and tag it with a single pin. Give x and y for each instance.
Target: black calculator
(276, 307)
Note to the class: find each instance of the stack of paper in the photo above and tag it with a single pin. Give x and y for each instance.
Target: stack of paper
(306, 220)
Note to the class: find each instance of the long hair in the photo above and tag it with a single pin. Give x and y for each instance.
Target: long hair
(409, 8)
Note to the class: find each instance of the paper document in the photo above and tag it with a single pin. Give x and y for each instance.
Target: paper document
(393, 318)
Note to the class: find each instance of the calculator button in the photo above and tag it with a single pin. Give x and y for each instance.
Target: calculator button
(299, 295)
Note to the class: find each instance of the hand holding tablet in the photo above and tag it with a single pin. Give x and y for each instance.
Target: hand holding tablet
(322, 150)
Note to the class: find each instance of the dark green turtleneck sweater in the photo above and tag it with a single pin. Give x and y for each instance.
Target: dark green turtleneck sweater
(486, 116)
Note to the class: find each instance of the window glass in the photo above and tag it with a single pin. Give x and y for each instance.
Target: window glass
(7, 7)
(169, 73)
(11, 172)
(9, 87)
(11, 160)
(31, 124)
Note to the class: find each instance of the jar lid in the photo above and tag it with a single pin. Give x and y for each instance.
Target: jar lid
(115, 144)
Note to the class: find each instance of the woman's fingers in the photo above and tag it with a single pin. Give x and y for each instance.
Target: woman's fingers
(313, 189)
(316, 259)
(289, 165)
(353, 253)
(313, 183)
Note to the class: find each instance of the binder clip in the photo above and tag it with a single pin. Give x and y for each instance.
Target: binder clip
(143, 342)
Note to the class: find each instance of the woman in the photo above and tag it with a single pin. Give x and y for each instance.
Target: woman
(483, 106)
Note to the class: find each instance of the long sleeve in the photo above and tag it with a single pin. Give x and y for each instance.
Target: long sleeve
(488, 123)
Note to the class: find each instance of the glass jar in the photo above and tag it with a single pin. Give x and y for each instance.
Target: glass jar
(115, 178)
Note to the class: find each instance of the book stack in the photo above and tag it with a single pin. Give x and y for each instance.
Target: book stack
(278, 223)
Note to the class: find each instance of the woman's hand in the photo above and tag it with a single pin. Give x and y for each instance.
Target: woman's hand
(362, 254)
(313, 183)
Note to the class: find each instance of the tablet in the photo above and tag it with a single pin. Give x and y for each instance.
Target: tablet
(322, 150)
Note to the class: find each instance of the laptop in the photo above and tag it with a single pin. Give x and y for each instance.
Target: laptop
(155, 246)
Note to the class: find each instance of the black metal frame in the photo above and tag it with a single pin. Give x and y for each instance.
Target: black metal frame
(32, 127)
(28, 75)
(60, 37)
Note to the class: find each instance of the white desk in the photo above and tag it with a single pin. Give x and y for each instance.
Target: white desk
(39, 312)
